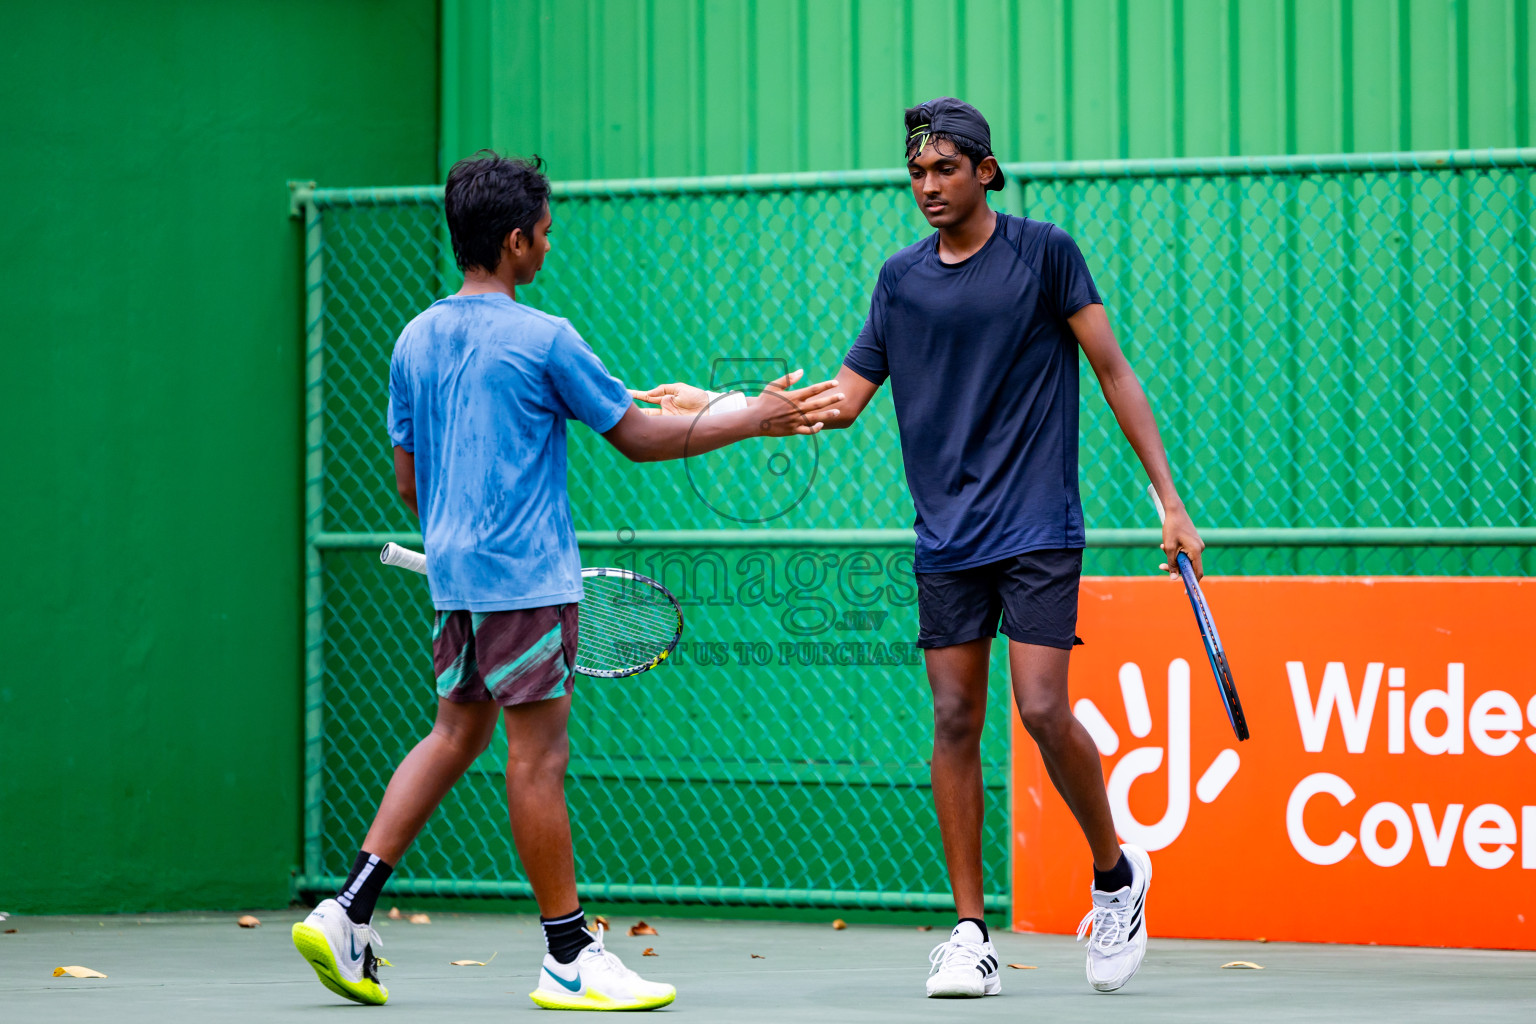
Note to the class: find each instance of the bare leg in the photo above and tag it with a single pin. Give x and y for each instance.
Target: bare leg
(538, 750)
(958, 676)
(1071, 759)
(460, 734)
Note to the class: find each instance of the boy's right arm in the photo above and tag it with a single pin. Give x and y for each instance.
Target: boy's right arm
(405, 478)
(774, 413)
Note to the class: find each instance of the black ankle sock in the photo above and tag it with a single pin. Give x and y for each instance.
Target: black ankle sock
(1117, 877)
(566, 935)
(979, 923)
(361, 890)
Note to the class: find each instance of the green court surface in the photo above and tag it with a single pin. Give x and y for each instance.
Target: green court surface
(183, 967)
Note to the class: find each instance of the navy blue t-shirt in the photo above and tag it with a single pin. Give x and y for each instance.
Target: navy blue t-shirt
(983, 371)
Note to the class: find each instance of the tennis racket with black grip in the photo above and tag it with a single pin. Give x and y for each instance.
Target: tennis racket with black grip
(629, 622)
(1217, 654)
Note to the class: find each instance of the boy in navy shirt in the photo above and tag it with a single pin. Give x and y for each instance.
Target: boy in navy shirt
(480, 388)
(977, 328)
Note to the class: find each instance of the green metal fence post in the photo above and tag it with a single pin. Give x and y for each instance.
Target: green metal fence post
(314, 495)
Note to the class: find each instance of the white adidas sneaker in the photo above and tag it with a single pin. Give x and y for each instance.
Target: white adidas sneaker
(964, 967)
(341, 953)
(597, 980)
(1118, 924)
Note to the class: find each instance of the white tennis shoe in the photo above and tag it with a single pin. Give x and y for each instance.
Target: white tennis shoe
(341, 953)
(964, 967)
(597, 980)
(1118, 924)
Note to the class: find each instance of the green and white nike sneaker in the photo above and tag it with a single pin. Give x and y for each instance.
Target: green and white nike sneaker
(597, 980)
(342, 953)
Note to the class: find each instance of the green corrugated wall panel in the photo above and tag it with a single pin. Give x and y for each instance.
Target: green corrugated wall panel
(637, 88)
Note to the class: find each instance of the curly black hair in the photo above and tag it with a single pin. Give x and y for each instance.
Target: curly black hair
(489, 196)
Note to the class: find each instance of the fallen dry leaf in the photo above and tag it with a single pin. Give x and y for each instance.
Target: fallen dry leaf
(10, 931)
(758, 956)
(925, 927)
(394, 913)
(649, 952)
(603, 921)
(643, 929)
(77, 972)
(1024, 967)
(1242, 965)
(419, 919)
(249, 921)
(839, 925)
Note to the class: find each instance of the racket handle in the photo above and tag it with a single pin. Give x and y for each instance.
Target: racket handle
(1182, 563)
(404, 558)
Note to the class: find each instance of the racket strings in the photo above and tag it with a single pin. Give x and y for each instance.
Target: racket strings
(624, 623)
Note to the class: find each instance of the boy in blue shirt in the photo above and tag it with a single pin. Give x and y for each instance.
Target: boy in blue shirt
(977, 328)
(480, 388)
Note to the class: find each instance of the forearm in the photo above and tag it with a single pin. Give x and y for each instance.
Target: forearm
(857, 391)
(1128, 401)
(660, 438)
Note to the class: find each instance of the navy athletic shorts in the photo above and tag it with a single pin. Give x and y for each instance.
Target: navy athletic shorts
(1034, 595)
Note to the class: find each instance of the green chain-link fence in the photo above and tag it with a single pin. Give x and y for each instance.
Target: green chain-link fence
(1340, 351)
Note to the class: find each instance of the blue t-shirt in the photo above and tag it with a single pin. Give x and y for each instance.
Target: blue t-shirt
(983, 371)
(480, 387)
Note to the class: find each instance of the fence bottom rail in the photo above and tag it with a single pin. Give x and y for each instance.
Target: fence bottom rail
(705, 894)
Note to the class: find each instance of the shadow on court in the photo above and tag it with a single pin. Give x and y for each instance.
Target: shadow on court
(172, 967)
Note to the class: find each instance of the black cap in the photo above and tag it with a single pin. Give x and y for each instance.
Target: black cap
(949, 116)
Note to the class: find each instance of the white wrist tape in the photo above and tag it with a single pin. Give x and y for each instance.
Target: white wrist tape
(726, 401)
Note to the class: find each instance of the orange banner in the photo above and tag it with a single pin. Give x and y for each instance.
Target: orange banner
(1388, 794)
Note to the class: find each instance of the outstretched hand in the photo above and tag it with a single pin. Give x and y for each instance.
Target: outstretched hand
(677, 399)
(803, 411)
(780, 412)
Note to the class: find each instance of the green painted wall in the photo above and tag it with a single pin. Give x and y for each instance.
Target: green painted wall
(620, 88)
(151, 293)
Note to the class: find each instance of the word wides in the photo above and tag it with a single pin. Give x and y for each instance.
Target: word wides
(1437, 720)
